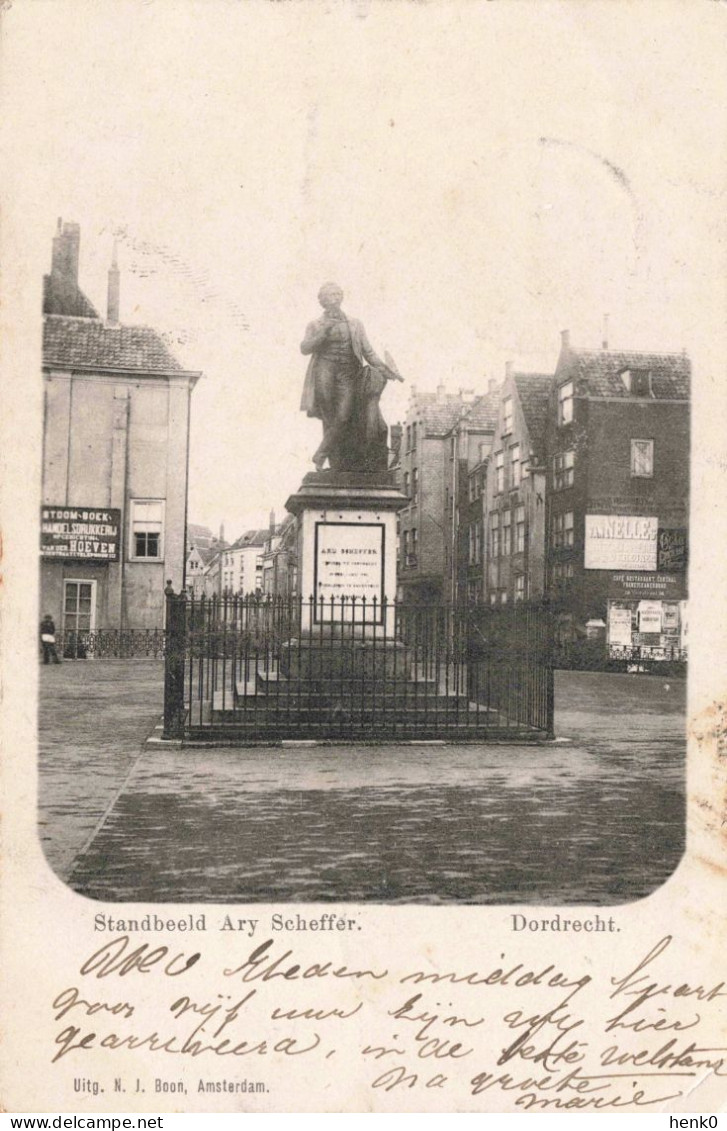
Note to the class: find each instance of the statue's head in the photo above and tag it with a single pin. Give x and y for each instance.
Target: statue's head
(330, 295)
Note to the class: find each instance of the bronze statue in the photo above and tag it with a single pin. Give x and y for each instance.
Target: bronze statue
(343, 384)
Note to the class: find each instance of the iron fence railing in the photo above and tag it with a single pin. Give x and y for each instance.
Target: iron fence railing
(261, 669)
(106, 644)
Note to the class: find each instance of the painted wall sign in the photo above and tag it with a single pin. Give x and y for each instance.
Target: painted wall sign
(349, 563)
(80, 533)
(658, 586)
(672, 550)
(616, 541)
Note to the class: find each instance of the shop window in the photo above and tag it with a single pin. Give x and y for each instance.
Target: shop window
(642, 459)
(79, 606)
(565, 403)
(507, 416)
(563, 470)
(146, 540)
(499, 473)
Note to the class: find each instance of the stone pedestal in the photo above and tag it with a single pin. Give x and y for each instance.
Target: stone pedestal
(347, 554)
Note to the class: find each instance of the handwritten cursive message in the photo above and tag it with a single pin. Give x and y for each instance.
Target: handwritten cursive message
(544, 1036)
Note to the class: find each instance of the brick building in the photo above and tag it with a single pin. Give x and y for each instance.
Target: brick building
(467, 446)
(242, 562)
(423, 474)
(513, 502)
(115, 458)
(618, 496)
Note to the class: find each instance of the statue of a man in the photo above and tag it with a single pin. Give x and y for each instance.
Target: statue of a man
(340, 390)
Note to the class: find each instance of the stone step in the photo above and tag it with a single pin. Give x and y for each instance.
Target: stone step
(356, 717)
(234, 732)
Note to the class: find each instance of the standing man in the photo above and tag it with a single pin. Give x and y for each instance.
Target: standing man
(339, 351)
(48, 639)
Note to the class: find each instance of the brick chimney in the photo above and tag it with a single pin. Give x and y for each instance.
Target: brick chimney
(565, 340)
(492, 385)
(61, 292)
(440, 394)
(66, 247)
(508, 369)
(114, 290)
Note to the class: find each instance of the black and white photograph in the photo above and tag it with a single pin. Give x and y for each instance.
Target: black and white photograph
(369, 511)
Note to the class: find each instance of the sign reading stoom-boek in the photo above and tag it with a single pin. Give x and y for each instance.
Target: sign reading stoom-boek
(85, 533)
(617, 541)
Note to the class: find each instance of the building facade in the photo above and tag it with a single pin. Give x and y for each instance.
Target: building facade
(467, 446)
(423, 476)
(618, 504)
(513, 502)
(280, 565)
(115, 458)
(242, 563)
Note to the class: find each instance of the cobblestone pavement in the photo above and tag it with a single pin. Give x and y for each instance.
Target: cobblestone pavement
(93, 718)
(596, 819)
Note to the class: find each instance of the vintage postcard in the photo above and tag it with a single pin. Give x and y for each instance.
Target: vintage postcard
(363, 603)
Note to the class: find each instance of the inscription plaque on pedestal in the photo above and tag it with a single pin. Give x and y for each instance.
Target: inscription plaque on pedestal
(349, 562)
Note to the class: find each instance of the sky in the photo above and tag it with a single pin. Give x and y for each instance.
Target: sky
(476, 176)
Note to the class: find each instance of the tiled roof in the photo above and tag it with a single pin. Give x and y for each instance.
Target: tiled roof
(597, 372)
(89, 343)
(482, 413)
(438, 416)
(251, 538)
(534, 391)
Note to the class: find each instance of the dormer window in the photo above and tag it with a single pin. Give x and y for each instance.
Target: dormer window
(637, 382)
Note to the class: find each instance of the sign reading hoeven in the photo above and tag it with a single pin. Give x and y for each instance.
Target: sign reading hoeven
(349, 563)
(86, 533)
(617, 541)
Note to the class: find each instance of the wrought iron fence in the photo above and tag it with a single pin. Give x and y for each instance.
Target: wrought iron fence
(107, 644)
(251, 669)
